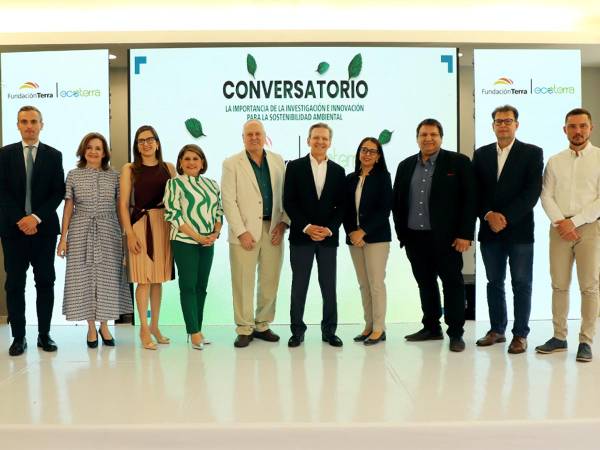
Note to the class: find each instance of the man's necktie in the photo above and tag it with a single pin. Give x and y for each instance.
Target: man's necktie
(29, 167)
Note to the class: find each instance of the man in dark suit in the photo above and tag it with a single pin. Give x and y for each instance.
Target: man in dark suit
(313, 197)
(31, 188)
(509, 183)
(434, 215)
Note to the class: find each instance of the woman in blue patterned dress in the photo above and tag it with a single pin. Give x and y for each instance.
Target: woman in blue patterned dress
(95, 278)
(193, 207)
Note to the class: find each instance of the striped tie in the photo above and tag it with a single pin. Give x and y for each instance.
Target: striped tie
(29, 168)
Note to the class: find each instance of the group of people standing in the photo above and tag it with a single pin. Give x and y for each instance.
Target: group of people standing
(171, 213)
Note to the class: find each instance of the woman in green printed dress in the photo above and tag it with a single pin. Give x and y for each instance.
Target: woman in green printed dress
(193, 207)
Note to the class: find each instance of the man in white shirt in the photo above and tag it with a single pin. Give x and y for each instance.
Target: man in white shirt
(571, 199)
(313, 197)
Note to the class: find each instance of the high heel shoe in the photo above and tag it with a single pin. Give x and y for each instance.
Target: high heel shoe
(370, 341)
(149, 343)
(92, 344)
(160, 338)
(361, 337)
(108, 342)
(199, 346)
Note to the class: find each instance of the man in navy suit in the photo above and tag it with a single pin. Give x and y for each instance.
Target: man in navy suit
(434, 214)
(509, 183)
(31, 188)
(313, 198)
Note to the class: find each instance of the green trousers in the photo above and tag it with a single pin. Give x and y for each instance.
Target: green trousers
(193, 268)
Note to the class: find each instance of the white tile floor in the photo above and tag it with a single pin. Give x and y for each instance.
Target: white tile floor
(395, 382)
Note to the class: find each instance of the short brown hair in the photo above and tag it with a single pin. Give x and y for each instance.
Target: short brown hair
(30, 108)
(505, 109)
(433, 123)
(320, 125)
(194, 149)
(578, 112)
(105, 163)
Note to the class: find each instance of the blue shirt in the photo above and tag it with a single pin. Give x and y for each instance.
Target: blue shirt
(420, 190)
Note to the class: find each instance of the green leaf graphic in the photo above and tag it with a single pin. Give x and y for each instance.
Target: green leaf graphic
(194, 127)
(251, 64)
(322, 67)
(385, 136)
(355, 66)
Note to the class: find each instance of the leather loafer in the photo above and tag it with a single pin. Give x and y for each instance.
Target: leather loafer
(517, 345)
(333, 340)
(457, 344)
(243, 340)
(370, 341)
(490, 338)
(295, 340)
(18, 347)
(46, 343)
(424, 335)
(266, 335)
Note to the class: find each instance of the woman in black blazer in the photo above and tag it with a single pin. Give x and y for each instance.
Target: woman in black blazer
(367, 225)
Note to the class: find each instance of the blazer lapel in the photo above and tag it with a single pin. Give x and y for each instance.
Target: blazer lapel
(312, 188)
(247, 167)
(513, 156)
(19, 171)
(38, 164)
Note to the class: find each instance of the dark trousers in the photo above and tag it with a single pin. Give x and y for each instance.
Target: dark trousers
(520, 260)
(19, 253)
(301, 260)
(430, 260)
(193, 269)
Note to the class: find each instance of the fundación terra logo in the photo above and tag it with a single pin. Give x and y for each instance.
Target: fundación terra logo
(506, 86)
(29, 85)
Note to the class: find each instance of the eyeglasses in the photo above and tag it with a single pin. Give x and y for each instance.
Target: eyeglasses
(369, 151)
(504, 121)
(150, 140)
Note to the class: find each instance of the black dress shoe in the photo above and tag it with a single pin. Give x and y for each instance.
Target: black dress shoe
(266, 335)
(243, 340)
(333, 340)
(457, 344)
(108, 342)
(296, 340)
(92, 344)
(424, 335)
(361, 337)
(370, 341)
(18, 347)
(46, 343)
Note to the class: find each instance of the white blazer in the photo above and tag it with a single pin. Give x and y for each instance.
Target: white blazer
(242, 201)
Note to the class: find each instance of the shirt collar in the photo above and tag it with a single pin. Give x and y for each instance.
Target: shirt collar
(432, 159)
(35, 145)
(581, 152)
(314, 160)
(507, 148)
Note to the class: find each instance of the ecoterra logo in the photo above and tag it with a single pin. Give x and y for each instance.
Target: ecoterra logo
(506, 86)
(31, 89)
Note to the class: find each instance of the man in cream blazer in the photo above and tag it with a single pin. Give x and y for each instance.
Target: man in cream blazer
(252, 193)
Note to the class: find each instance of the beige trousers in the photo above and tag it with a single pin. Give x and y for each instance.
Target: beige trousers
(585, 252)
(267, 258)
(370, 262)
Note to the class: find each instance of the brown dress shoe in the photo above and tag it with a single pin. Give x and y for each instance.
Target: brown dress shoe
(517, 345)
(491, 338)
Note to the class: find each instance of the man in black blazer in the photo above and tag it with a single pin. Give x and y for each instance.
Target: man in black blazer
(509, 183)
(31, 188)
(313, 198)
(434, 214)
